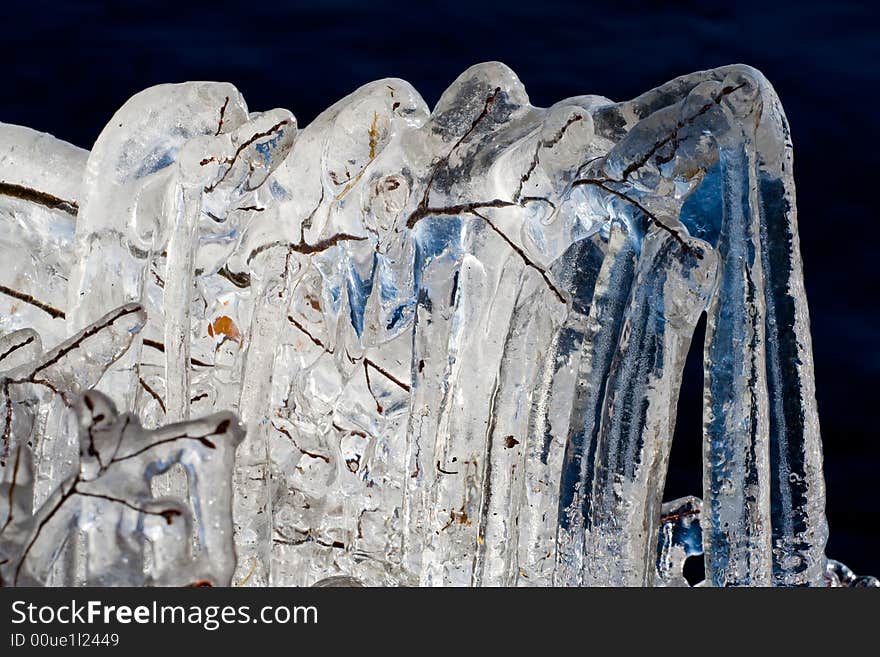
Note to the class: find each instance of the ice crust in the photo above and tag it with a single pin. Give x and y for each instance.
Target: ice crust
(454, 340)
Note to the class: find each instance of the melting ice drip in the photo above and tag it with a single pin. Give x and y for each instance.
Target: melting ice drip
(454, 339)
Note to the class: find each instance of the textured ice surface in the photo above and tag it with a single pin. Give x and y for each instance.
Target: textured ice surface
(85, 513)
(454, 338)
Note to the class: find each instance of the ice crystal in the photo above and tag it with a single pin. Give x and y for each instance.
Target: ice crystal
(455, 338)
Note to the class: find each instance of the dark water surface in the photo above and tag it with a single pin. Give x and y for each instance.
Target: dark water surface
(67, 66)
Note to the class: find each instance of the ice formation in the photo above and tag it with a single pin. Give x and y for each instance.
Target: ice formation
(454, 338)
(87, 514)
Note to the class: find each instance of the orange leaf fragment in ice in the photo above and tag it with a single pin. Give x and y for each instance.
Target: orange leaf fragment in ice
(224, 326)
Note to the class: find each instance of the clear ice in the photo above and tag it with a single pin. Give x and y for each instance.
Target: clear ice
(422, 347)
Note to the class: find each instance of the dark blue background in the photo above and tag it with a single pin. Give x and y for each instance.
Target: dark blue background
(67, 66)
